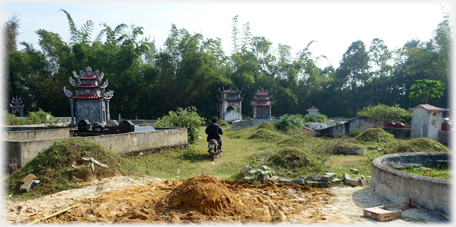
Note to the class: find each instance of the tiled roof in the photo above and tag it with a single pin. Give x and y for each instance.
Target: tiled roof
(87, 85)
(88, 77)
(428, 108)
(87, 96)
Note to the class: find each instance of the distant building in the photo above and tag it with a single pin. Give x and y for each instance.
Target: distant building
(17, 108)
(313, 111)
(426, 121)
(230, 98)
(262, 105)
(91, 101)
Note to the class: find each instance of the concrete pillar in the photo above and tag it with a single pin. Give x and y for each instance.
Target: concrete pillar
(72, 111)
(107, 109)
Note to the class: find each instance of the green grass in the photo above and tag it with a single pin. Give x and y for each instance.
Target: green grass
(442, 173)
(291, 154)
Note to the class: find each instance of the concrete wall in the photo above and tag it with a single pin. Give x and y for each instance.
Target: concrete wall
(431, 193)
(43, 134)
(26, 151)
(134, 142)
(248, 123)
(420, 123)
(361, 123)
(142, 141)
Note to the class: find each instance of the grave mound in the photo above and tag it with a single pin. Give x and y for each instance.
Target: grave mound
(417, 145)
(375, 135)
(265, 125)
(206, 195)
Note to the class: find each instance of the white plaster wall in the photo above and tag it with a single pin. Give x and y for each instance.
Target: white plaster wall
(420, 122)
(434, 129)
(232, 115)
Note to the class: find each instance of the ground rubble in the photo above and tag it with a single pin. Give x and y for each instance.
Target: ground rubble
(204, 199)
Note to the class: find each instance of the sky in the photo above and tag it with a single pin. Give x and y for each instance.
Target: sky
(334, 25)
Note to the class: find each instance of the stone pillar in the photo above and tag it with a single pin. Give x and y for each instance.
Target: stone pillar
(72, 111)
(107, 110)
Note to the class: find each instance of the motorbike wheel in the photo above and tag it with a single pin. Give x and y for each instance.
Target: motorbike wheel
(213, 156)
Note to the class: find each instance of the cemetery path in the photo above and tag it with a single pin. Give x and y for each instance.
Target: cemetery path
(196, 200)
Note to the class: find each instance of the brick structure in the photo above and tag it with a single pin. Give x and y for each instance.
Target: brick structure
(91, 101)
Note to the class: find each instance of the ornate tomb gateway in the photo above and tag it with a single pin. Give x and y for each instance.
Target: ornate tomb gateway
(17, 107)
(230, 98)
(91, 101)
(261, 105)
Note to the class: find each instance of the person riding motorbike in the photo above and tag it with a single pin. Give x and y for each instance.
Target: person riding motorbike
(214, 131)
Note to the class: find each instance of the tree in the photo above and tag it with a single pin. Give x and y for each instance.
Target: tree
(11, 31)
(353, 69)
(425, 88)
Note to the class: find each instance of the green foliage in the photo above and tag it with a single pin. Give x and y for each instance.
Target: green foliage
(319, 118)
(222, 123)
(385, 114)
(356, 132)
(425, 88)
(289, 121)
(442, 173)
(183, 118)
(265, 125)
(38, 117)
(375, 135)
(416, 145)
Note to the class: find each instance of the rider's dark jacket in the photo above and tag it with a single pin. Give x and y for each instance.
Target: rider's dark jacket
(213, 131)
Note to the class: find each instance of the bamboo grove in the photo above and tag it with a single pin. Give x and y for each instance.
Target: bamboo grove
(189, 69)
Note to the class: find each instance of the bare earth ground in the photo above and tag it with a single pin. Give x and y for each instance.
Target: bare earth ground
(202, 199)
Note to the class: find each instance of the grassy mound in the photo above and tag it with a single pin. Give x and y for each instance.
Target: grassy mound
(222, 123)
(265, 125)
(60, 167)
(375, 135)
(417, 145)
(289, 158)
(266, 135)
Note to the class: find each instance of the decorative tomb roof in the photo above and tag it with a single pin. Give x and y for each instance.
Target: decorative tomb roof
(89, 86)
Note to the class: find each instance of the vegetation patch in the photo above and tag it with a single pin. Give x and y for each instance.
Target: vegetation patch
(416, 145)
(442, 173)
(265, 125)
(375, 135)
(38, 117)
(222, 123)
(266, 135)
(385, 114)
(183, 118)
(60, 167)
(289, 158)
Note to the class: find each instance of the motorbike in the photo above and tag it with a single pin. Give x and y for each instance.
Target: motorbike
(214, 148)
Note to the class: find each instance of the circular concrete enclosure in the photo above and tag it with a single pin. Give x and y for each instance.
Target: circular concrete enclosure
(431, 193)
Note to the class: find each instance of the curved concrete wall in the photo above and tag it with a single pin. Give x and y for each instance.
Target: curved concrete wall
(431, 193)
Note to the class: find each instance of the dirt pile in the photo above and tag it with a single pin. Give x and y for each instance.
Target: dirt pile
(206, 195)
(200, 199)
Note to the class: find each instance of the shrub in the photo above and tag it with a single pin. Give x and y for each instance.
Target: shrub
(375, 135)
(320, 118)
(38, 117)
(356, 132)
(289, 121)
(385, 114)
(183, 118)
